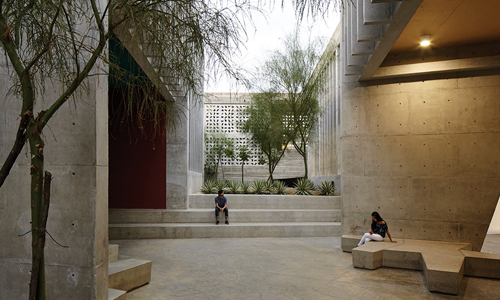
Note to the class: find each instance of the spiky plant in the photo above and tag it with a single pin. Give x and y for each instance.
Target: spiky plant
(260, 187)
(279, 187)
(208, 187)
(244, 188)
(327, 188)
(304, 186)
(232, 187)
(220, 185)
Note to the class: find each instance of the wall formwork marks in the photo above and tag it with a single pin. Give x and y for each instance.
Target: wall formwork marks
(425, 155)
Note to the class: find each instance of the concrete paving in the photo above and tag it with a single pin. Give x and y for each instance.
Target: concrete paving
(279, 268)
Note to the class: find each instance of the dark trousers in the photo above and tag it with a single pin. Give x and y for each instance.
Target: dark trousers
(226, 212)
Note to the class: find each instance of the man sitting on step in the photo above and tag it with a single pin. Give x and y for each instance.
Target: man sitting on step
(221, 205)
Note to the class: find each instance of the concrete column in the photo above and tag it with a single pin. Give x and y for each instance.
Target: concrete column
(76, 153)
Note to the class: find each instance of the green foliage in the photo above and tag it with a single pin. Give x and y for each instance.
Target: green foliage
(260, 187)
(279, 187)
(304, 186)
(244, 188)
(223, 146)
(327, 188)
(232, 187)
(209, 166)
(220, 184)
(244, 155)
(288, 73)
(209, 187)
(266, 126)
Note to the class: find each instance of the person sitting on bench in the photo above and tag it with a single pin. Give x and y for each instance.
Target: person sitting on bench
(221, 205)
(379, 228)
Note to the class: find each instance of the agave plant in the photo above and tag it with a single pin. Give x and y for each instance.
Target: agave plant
(327, 188)
(304, 186)
(208, 187)
(244, 188)
(279, 187)
(260, 187)
(232, 187)
(220, 184)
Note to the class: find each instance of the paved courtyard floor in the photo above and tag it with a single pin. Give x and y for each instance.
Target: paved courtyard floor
(279, 268)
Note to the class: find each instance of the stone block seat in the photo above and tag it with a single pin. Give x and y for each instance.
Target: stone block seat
(125, 275)
(128, 274)
(444, 263)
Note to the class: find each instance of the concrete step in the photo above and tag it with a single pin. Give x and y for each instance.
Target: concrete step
(112, 253)
(117, 294)
(240, 201)
(126, 275)
(235, 215)
(234, 230)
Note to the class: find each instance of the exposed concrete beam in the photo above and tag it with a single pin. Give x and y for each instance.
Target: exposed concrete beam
(405, 12)
(438, 67)
(367, 33)
(355, 47)
(142, 60)
(379, 13)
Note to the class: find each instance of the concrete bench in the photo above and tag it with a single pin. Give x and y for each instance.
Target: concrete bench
(481, 264)
(112, 253)
(444, 264)
(126, 275)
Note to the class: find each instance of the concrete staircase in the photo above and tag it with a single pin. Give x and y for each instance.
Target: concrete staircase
(125, 275)
(249, 215)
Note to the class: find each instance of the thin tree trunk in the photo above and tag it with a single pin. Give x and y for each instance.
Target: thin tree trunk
(37, 161)
(242, 164)
(16, 149)
(305, 162)
(41, 239)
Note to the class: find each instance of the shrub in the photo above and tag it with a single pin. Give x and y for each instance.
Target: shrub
(304, 186)
(208, 187)
(279, 187)
(220, 185)
(232, 187)
(244, 188)
(260, 187)
(327, 188)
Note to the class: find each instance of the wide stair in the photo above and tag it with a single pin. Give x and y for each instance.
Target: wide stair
(250, 216)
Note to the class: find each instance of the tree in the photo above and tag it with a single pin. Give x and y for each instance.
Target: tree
(266, 126)
(289, 72)
(58, 44)
(222, 146)
(244, 155)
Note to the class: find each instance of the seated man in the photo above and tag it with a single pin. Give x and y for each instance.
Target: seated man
(221, 205)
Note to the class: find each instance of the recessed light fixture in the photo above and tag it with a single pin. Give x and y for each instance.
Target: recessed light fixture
(425, 40)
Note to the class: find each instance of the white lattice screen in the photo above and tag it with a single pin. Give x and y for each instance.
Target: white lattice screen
(225, 118)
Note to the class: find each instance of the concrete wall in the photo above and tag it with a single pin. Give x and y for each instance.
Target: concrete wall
(324, 149)
(76, 153)
(424, 154)
(185, 152)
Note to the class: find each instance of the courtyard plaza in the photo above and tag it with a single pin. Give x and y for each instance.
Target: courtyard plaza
(280, 268)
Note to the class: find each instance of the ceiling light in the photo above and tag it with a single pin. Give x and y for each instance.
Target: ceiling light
(425, 40)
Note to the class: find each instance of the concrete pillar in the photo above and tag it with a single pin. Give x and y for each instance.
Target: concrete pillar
(76, 153)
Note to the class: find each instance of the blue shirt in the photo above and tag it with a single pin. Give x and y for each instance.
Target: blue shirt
(221, 201)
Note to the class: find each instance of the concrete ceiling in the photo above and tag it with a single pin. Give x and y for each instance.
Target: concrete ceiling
(452, 23)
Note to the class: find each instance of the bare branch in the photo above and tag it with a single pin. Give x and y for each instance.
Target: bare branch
(47, 44)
